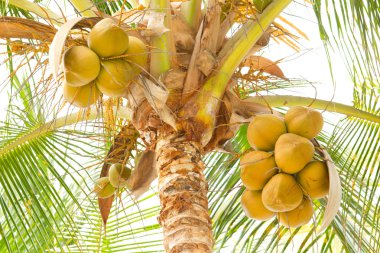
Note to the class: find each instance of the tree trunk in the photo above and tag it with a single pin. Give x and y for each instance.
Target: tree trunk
(183, 194)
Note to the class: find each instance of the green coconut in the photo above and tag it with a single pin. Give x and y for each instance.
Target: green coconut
(81, 66)
(260, 5)
(118, 175)
(282, 193)
(257, 167)
(292, 152)
(264, 130)
(103, 188)
(108, 39)
(253, 206)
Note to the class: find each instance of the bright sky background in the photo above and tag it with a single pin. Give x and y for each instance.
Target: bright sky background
(311, 63)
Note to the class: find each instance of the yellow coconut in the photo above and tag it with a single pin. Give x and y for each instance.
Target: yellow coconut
(81, 66)
(115, 77)
(282, 193)
(299, 216)
(83, 96)
(103, 188)
(113, 92)
(137, 54)
(304, 121)
(292, 152)
(253, 206)
(264, 130)
(108, 39)
(257, 167)
(314, 179)
(118, 175)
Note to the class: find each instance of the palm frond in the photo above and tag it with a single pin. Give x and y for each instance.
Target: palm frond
(352, 27)
(46, 181)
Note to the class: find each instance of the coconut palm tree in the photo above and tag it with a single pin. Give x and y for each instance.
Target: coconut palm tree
(182, 121)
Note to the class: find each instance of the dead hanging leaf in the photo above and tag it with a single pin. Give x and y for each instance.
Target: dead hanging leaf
(144, 173)
(157, 95)
(56, 47)
(124, 143)
(105, 204)
(237, 119)
(12, 27)
(263, 64)
(335, 193)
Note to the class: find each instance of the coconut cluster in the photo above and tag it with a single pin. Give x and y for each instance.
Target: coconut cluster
(280, 175)
(118, 176)
(108, 65)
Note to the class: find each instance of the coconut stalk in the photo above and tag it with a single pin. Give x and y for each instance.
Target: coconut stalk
(191, 11)
(183, 190)
(163, 50)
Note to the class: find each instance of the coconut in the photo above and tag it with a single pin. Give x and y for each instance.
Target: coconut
(118, 175)
(264, 130)
(113, 92)
(81, 66)
(253, 206)
(108, 39)
(115, 77)
(257, 167)
(304, 121)
(103, 188)
(83, 96)
(137, 54)
(292, 152)
(282, 193)
(314, 179)
(299, 216)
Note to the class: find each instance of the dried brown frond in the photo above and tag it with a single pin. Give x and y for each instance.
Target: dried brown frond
(12, 27)
(255, 73)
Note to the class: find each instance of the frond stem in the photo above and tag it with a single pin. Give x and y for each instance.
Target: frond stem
(38, 10)
(85, 7)
(286, 100)
(50, 126)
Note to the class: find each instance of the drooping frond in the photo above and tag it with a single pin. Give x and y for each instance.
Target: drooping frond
(46, 183)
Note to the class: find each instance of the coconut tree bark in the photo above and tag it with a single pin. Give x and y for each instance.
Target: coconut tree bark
(184, 214)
